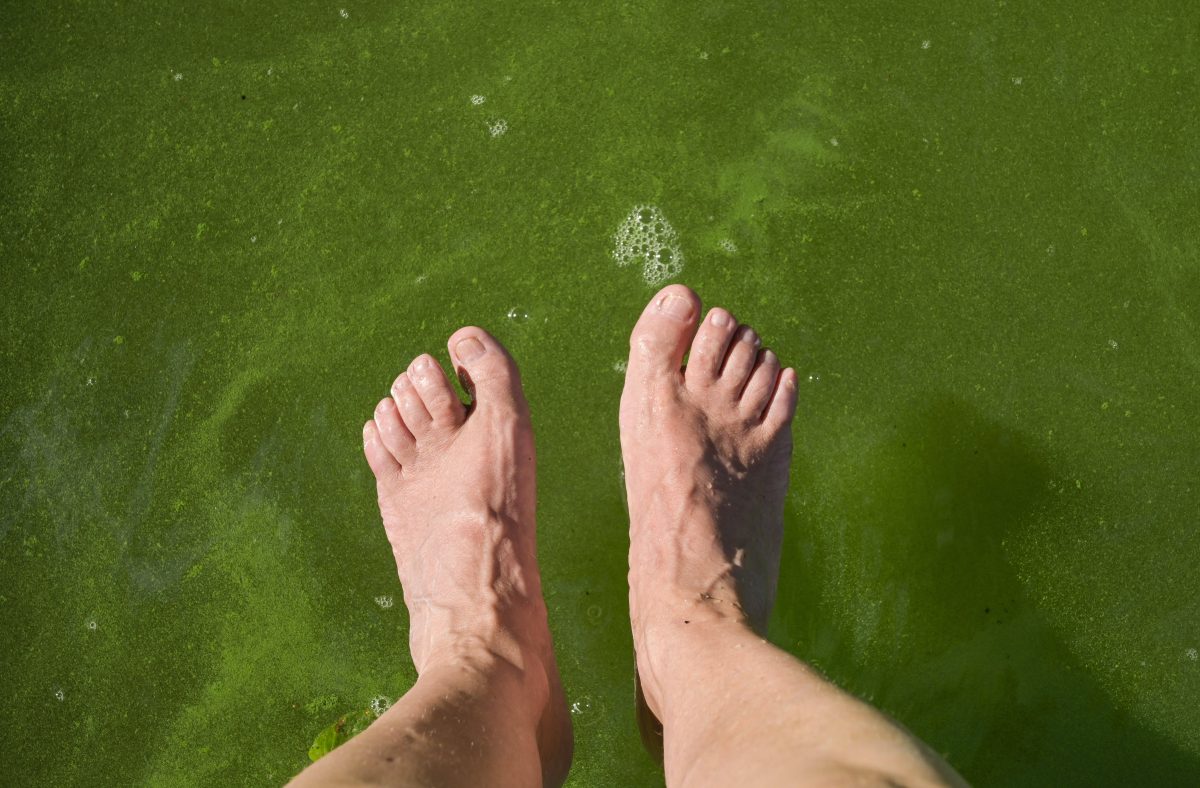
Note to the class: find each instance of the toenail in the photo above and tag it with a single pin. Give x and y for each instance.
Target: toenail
(400, 383)
(421, 362)
(468, 349)
(747, 335)
(675, 306)
(720, 318)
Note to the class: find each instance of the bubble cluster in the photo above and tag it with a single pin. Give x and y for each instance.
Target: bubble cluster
(517, 314)
(497, 128)
(478, 99)
(343, 13)
(380, 704)
(925, 44)
(728, 246)
(1192, 654)
(59, 695)
(385, 601)
(647, 237)
(620, 366)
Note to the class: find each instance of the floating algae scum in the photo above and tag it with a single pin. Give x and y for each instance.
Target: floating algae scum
(971, 228)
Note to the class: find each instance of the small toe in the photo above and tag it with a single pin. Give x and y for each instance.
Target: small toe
(395, 436)
(382, 463)
(412, 409)
(435, 391)
(761, 385)
(663, 332)
(709, 347)
(782, 406)
(486, 369)
(739, 361)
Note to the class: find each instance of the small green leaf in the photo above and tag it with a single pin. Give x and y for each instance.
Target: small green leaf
(326, 740)
(346, 728)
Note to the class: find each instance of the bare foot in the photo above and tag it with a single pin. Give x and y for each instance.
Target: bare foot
(457, 494)
(706, 453)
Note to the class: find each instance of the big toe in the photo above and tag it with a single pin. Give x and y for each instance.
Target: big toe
(663, 332)
(486, 369)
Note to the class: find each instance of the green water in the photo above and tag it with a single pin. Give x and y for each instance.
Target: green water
(971, 227)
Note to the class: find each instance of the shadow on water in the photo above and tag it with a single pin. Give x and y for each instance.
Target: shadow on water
(897, 585)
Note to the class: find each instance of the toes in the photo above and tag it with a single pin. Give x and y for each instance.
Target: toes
(486, 369)
(761, 385)
(709, 346)
(663, 332)
(391, 430)
(739, 361)
(382, 463)
(781, 408)
(435, 391)
(412, 409)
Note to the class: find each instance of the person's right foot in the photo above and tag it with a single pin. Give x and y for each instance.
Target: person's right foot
(706, 453)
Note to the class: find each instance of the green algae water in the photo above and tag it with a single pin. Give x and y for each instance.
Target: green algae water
(971, 227)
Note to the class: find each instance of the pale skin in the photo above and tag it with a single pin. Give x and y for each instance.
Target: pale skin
(706, 452)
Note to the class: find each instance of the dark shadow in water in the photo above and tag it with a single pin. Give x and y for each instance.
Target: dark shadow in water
(897, 585)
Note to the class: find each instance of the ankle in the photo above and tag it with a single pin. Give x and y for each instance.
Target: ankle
(499, 665)
(690, 641)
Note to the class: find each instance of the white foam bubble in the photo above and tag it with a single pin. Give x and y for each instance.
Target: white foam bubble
(517, 314)
(1193, 654)
(646, 237)
(498, 128)
(925, 44)
(380, 704)
(385, 601)
(59, 695)
(92, 625)
(478, 99)
(728, 246)
(344, 14)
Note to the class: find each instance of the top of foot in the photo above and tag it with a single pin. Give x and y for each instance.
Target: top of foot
(707, 451)
(457, 494)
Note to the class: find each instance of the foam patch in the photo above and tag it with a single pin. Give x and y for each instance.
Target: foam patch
(646, 237)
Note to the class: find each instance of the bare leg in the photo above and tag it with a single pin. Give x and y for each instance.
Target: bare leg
(456, 491)
(707, 452)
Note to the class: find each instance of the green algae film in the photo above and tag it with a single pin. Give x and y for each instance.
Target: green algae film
(971, 230)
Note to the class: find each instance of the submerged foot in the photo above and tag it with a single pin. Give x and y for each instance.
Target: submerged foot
(706, 453)
(457, 492)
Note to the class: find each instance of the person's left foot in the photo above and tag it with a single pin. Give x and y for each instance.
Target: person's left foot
(457, 492)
